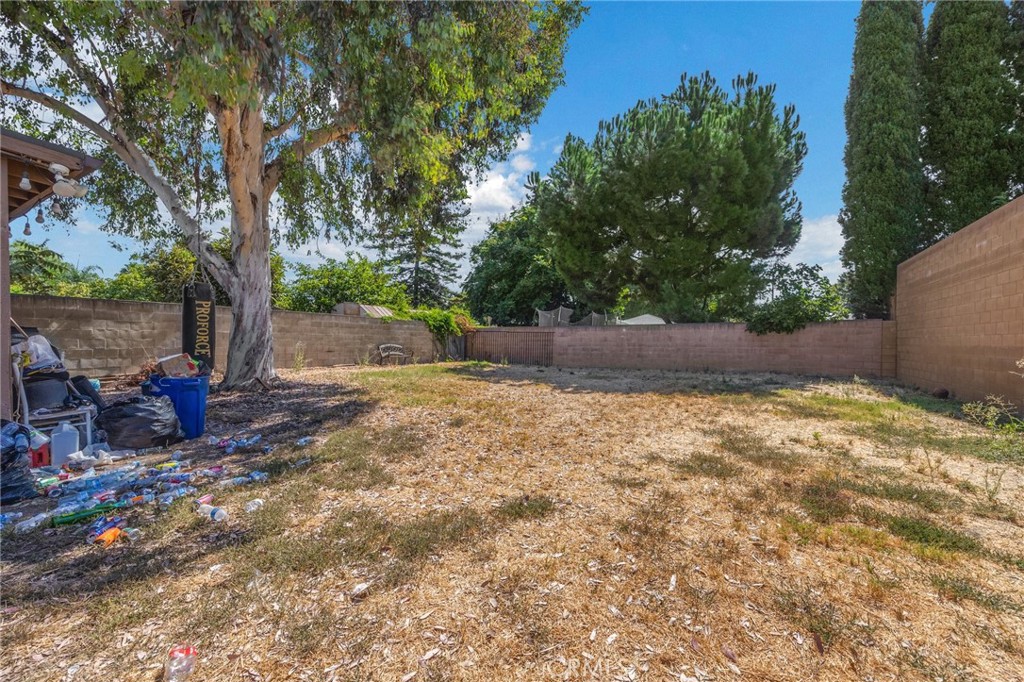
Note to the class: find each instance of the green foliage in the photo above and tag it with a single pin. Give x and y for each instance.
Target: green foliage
(796, 296)
(441, 323)
(1002, 418)
(883, 198)
(679, 198)
(212, 113)
(512, 275)
(417, 241)
(38, 269)
(969, 113)
(317, 289)
(1016, 51)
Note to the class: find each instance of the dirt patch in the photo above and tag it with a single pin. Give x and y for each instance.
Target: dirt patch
(478, 522)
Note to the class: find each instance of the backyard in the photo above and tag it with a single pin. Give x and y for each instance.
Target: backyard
(473, 521)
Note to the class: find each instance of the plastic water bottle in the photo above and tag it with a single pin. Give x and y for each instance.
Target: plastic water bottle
(258, 477)
(232, 482)
(304, 441)
(31, 524)
(9, 518)
(215, 513)
(253, 505)
(181, 661)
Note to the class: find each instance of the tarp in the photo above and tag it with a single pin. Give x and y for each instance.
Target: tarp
(643, 319)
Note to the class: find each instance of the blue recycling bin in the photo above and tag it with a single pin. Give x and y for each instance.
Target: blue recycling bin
(189, 397)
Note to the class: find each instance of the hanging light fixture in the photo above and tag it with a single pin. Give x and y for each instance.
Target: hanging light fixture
(25, 183)
(28, 230)
(56, 209)
(39, 216)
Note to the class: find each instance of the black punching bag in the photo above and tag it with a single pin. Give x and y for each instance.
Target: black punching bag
(198, 331)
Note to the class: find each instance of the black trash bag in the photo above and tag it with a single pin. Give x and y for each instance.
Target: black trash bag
(16, 481)
(143, 422)
(82, 385)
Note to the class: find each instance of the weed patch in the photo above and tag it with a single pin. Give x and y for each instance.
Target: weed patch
(819, 618)
(701, 464)
(525, 507)
(929, 499)
(826, 501)
(959, 589)
(756, 449)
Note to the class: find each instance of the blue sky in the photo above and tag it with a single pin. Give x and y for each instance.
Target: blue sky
(628, 51)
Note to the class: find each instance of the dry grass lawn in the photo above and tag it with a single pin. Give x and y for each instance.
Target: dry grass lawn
(477, 522)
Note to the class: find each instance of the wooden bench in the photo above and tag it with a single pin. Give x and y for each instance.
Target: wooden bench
(392, 353)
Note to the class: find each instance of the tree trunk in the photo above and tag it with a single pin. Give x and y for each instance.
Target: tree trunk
(251, 347)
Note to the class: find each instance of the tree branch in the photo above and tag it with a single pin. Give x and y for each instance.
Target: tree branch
(142, 164)
(280, 129)
(301, 148)
(121, 143)
(55, 105)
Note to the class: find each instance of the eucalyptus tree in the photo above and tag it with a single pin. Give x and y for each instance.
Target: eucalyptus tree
(271, 116)
(677, 199)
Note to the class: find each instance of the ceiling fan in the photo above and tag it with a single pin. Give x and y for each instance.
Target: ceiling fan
(64, 186)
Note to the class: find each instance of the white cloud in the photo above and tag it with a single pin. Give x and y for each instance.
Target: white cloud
(820, 242)
(524, 143)
(522, 163)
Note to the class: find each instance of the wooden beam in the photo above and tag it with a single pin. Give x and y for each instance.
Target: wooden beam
(5, 298)
(46, 155)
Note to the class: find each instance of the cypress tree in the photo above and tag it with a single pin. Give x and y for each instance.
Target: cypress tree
(1016, 51)
(883, 197)
(969, 112)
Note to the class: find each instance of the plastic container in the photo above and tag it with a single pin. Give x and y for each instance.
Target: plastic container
(189, 397)
(215, 513)
(253, 505)
(181, 661)
(63, 442)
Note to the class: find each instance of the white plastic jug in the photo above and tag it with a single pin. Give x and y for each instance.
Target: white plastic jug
(63, 441)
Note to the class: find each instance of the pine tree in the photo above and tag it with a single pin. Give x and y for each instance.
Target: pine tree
(969, 112)
(423, 255)
(883, 197)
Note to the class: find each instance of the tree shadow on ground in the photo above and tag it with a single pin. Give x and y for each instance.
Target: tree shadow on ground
(659, 381)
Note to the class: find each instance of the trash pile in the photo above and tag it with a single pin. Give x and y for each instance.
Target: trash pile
(83, 494)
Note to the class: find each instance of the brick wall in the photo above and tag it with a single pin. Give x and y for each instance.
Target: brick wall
(960, 310)
(863, 347)
(102, 338)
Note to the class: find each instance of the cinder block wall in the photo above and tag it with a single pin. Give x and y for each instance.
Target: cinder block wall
(960, 310)
(863, 347)
(839, 348)
(103, 337)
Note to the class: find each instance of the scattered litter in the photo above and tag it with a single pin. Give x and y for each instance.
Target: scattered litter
(214, 513)
(360, 590)
(253, 505)
(181, 661)
(304, 441)
(672, 583)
